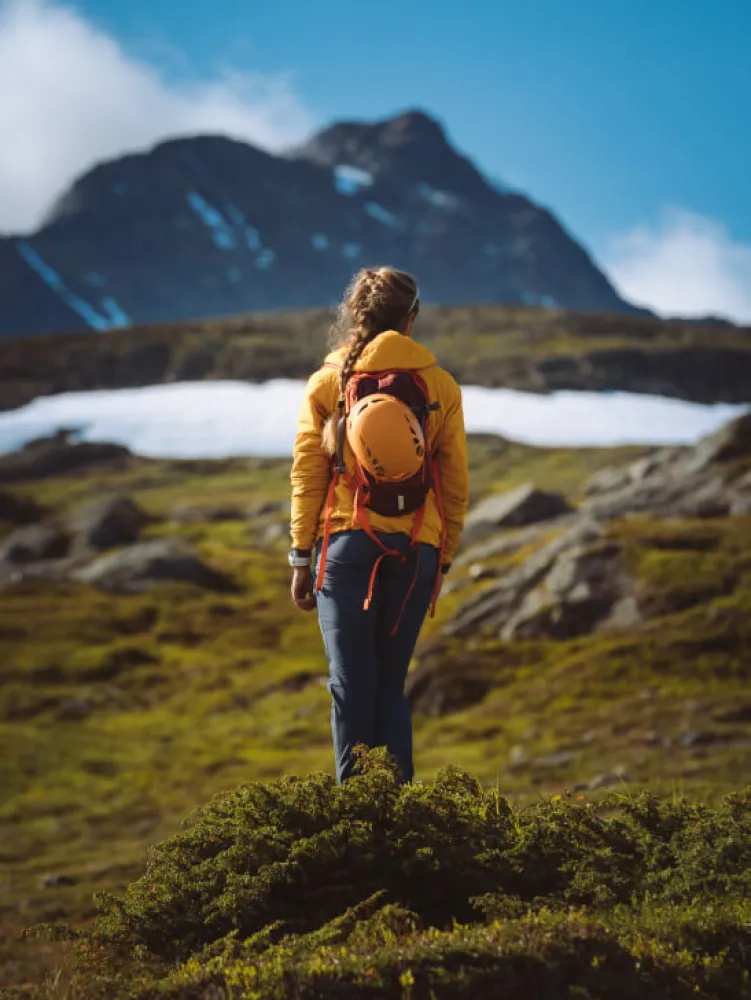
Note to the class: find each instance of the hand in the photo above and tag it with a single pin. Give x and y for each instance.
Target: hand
(303, 593)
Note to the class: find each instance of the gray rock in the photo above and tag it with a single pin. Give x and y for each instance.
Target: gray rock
(272, 534)
(518, 756)
(523, 506)
(644, 467)
(265, 507)
(604, 781)
(579, 592)
(510, 541)
(56, 881)
(109, 522)
(138, 567)
(730, 442)
(59, 455)
(624, 615)
(672, 493)
(494, 606)
(185, 513)
(741, 505)
(189, 514)
(478, 572)
(706, 499)
(544, 619)
(615, 478)
(33, 544)
(584, 571)
(553, 761)
(607, 481)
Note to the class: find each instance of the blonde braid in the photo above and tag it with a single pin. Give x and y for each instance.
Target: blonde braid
(375, 301)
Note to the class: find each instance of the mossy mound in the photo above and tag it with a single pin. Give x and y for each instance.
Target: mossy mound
(121, 713)
(302, 889)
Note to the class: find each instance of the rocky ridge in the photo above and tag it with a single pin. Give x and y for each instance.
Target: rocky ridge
(577, 578)
(529, 349)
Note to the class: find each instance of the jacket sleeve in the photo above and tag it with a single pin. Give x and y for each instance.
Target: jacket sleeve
(451, 454)
(311, 467)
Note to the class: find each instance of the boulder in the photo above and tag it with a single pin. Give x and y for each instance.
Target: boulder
(189, 514)
(670, 492)
(185, 513)
(730, 442)
(138, 567)
(580, 591)
(35, 543)
(523, 506)
(58, 455)
(493, 607)
(540, 618)
(510, 541)
(703, 481)
(272, 534)
(265, 507)
(15, 509)
(741, 504)
(703, 499)
(109, 522)
(606, 481)
(437, 688)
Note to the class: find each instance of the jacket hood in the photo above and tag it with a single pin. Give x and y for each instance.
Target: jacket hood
(389, 350)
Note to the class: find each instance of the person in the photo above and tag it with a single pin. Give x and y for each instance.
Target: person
(381, 538)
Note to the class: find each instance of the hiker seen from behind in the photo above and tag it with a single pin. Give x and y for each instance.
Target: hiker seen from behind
(379, 496)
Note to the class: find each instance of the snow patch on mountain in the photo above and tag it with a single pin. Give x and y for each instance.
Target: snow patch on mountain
(381, 214)
(349, 180)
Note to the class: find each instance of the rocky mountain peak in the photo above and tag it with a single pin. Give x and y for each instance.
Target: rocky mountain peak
(412, 146)
(208, 226)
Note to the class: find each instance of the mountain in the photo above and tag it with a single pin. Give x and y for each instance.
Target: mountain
(208, 226)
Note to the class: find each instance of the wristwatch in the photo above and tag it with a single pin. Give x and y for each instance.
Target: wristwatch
(299, 558)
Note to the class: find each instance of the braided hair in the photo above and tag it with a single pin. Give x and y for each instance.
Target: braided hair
(377, 299)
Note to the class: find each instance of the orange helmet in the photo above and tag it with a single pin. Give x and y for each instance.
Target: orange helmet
(386, 438)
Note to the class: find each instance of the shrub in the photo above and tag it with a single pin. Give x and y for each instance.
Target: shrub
(304, 889)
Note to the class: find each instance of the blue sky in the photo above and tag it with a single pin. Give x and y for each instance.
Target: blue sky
(629, 118)
(604, 110)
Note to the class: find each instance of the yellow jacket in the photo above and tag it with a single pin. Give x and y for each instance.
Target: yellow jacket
(312, 467)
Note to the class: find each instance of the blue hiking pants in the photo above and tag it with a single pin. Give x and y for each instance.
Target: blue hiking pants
(367, 664)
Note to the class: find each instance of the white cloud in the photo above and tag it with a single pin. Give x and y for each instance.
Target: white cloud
(687, 265)
(70, 95)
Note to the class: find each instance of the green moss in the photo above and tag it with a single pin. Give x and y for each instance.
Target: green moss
(119, 715)
(378, 889)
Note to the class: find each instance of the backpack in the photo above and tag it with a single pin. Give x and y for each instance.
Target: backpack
(389, 499)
